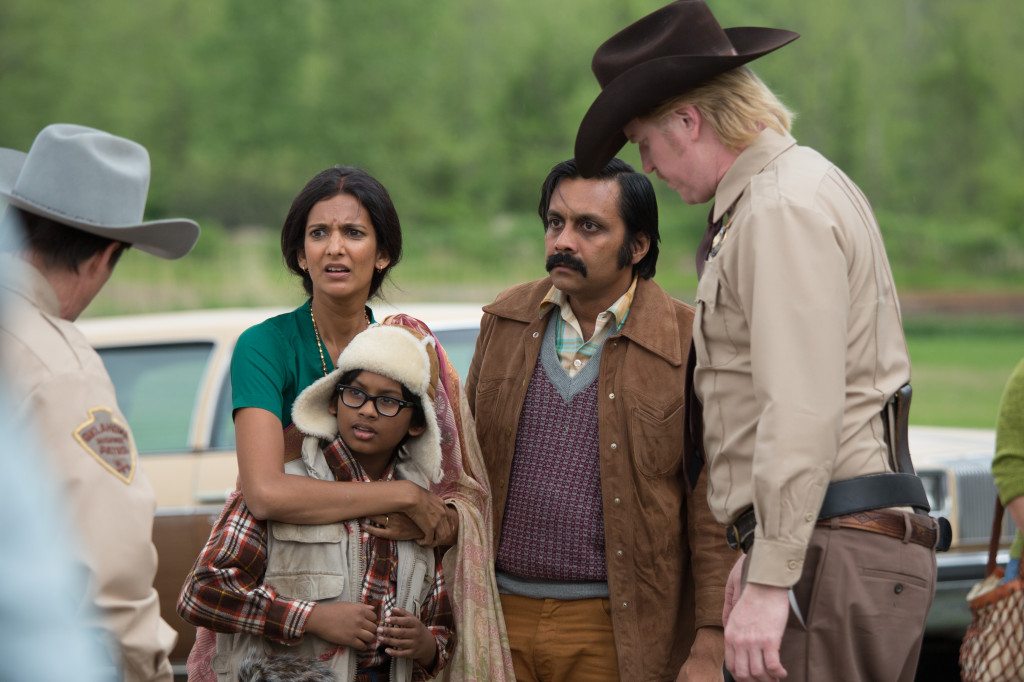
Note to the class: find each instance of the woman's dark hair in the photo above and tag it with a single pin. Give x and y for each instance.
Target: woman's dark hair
(367, 191)
(638, 208)
(418, 418)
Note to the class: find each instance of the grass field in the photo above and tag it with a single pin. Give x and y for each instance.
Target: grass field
(959, 367)
(960, 363)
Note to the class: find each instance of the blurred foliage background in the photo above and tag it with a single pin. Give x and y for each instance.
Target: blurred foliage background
(460, 107)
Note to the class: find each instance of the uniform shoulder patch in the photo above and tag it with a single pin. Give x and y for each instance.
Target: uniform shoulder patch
(109, 442)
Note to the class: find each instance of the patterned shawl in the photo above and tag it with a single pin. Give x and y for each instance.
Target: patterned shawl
(482, 653)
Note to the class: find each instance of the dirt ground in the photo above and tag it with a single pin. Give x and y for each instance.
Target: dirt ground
(929, 303)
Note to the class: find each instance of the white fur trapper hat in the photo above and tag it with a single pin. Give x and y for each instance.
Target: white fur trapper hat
(395, 352)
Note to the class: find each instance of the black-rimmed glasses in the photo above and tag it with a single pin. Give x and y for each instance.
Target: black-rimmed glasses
(386, 405)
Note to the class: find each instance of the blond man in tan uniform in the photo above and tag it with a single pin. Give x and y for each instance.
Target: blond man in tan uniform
(79, 195)
(798, 348)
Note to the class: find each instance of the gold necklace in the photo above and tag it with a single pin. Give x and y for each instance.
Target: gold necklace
(316, 334)
(319, 346)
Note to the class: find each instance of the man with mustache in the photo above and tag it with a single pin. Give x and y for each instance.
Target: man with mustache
(608, 569)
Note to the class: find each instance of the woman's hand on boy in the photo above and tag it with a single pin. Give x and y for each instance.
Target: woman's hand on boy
(448, 530)
(426, 510)
(346, 623)
(405, 636)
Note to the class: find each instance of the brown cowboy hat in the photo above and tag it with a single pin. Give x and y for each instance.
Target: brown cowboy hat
(668, 52)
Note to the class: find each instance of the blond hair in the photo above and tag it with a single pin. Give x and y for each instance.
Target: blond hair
(737, 104)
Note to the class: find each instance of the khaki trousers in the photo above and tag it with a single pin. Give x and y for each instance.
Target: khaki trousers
(864, 598)
(555, 640)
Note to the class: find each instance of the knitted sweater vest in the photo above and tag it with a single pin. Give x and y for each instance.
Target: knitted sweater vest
(553, 527)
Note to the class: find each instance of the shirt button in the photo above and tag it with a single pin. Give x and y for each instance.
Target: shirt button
(617, 501)
(577, 363)
(619, 553)
(536, 334)
(611, 396)
(793, 565)
(809, 517)
(615, 446)
(625, 604)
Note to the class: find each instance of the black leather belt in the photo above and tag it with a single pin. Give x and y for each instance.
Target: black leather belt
(864, 493)
(874, 491)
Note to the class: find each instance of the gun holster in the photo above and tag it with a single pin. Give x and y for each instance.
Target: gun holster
(896, 421)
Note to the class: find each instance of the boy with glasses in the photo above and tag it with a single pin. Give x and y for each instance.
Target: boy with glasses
(367, 607)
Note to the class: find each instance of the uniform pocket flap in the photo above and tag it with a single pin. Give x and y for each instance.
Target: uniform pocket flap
(707, 286)
(290, 532)
(309, 587)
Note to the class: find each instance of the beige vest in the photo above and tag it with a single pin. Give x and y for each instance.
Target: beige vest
(324, 563)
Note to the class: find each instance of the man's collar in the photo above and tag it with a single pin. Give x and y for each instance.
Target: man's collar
(652, 322)
(652, 319)
(22, 279)
(619, 309)
(766, 148)
(554, 297)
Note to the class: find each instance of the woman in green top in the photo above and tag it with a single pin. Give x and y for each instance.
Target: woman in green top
(341, 236)
(1008, 465)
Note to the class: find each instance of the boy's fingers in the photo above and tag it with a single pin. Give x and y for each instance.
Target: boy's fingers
(397, 634)
(386, 533)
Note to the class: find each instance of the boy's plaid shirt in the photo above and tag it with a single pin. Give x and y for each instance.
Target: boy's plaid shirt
(225, 591)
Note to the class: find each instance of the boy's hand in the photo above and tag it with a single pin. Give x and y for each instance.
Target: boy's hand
(406, 636)
(395, 526)
(399, 526)
(344, 623)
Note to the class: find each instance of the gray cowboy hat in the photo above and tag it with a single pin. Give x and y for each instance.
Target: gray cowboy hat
(663, 55)
(92, 181)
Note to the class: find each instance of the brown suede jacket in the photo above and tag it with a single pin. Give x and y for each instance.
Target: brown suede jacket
(667, 557)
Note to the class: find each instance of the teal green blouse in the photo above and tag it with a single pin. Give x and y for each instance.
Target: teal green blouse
(275, 360)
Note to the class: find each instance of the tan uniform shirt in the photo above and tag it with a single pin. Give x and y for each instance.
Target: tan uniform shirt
(60, 386)
(799, 344)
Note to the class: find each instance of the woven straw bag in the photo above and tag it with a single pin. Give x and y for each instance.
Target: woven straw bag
(993, 647)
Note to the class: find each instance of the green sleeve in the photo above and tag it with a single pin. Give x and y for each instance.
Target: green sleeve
(259, 376)
(1008, 465)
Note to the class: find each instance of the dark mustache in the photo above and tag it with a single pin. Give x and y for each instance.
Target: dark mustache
(557, 259)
